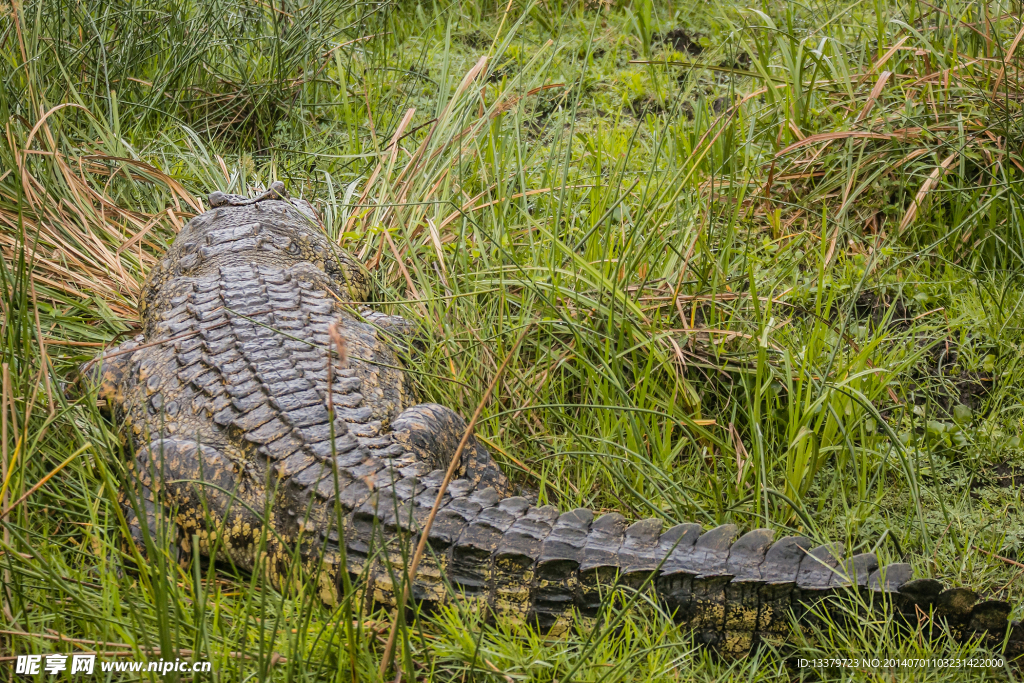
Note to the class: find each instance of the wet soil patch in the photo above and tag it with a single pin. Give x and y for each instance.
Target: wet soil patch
(596, 53)
(546, 104)
(868, 307)
(507, 70)
(680, 40)
(475, 39)
(972, 388)
(644, 104)
(741, 60)
(720, 104)
(1003, 476)
(873, 306)
(939, 380)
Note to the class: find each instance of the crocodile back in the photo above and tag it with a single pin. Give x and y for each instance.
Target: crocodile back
(235, 352)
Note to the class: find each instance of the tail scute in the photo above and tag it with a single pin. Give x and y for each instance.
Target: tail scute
(890, 578)
(855, 571)
(748, 554)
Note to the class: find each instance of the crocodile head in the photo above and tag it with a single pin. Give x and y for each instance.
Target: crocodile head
(273, 229)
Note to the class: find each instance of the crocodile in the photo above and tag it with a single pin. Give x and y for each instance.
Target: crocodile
(271, 425)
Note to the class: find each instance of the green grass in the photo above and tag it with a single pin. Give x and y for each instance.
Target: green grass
(768, 284)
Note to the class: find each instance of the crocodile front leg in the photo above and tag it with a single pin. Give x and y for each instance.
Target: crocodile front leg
(108, 374)
(110, 379)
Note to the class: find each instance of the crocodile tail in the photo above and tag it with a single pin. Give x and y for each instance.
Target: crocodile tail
(551, 570)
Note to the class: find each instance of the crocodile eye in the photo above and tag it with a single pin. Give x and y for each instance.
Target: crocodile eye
(293, 248)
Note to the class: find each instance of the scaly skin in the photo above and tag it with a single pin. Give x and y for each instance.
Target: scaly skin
(224, 398)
